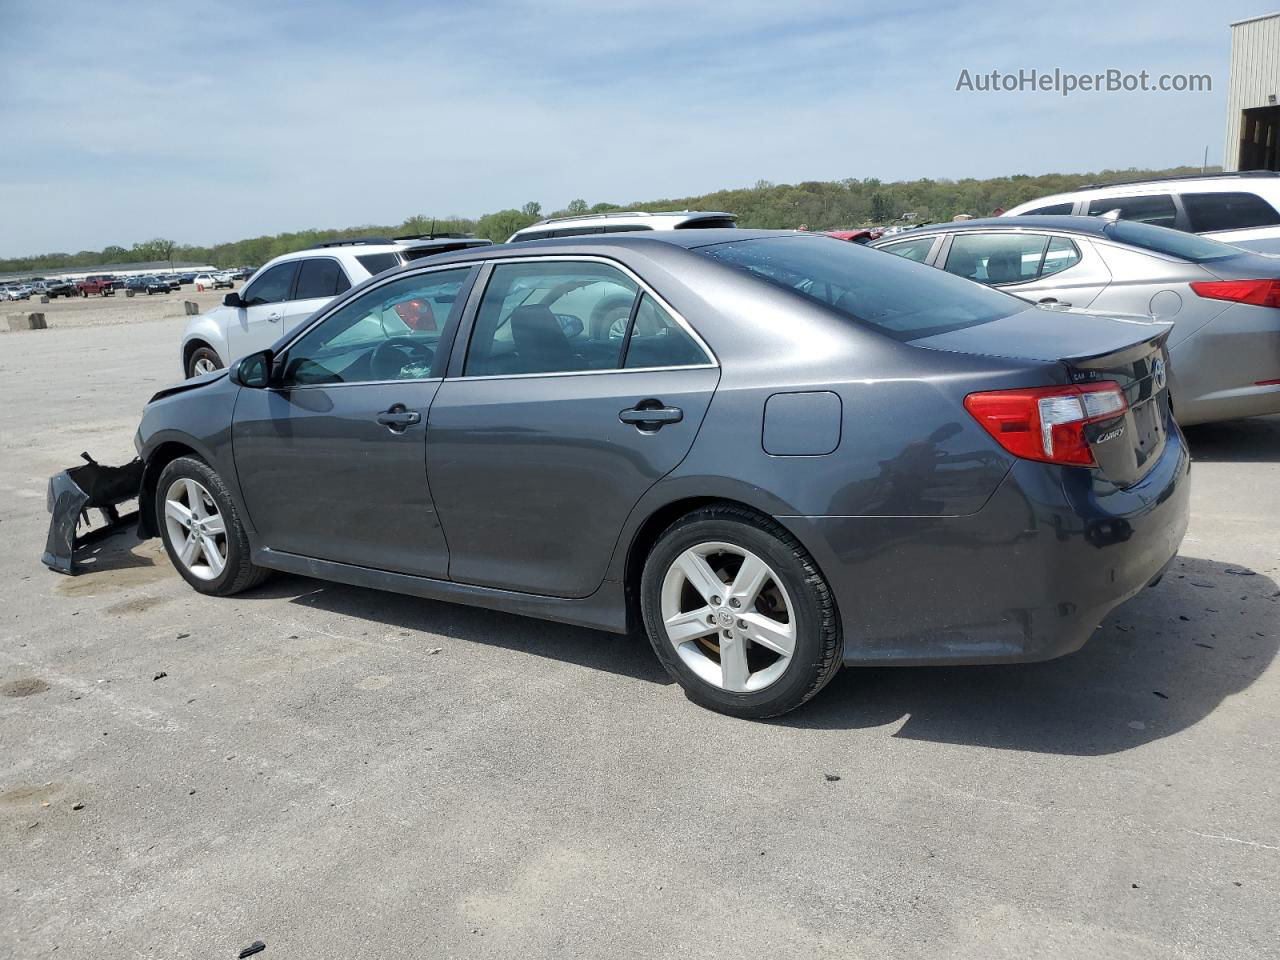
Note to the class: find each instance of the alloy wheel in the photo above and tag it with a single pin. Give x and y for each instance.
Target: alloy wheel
(728, 616)
(202, 366)
(196, 529)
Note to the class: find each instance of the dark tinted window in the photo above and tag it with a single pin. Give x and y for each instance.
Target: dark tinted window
(1173, 242)
(375, 263)
(1157, 209)
(534, 235)
(657, 340)
(1052, 210)
(1228, 211)
(625, 228)
(320, 278)
(708, 223)
(273, 286)
(902, 299)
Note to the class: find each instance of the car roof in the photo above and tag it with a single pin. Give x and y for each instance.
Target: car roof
(1094, 226)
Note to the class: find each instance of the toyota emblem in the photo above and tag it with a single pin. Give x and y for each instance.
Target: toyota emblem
(1158, 375)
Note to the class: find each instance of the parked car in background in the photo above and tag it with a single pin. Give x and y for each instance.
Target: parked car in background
(1242, 209)
(279, 297)
(919, 470)
(1223, 302)
(98, 285)
(855, 236)
(622, 221)
(60, 288)
(214, 281)
(185, 278)
(151, 285)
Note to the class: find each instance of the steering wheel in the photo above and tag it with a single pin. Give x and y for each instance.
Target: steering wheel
(390, 357)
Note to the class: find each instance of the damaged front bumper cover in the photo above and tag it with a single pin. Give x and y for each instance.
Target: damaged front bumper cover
(77, 490)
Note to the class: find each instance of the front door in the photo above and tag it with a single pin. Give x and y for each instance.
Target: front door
(331, 461)
(577, 393)
(258, 324)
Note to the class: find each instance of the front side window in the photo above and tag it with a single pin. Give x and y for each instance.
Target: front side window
(916, 250)
(1228, 211)
(389, 333)
(997, 258)
(273, 286)
(320, 277)
(1156, 209)
(900, 299)
(550, 317)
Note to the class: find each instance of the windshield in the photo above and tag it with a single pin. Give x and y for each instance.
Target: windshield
(1175, 243)
(899, 298)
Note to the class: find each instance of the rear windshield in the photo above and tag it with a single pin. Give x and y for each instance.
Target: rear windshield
(905, 300)
(375, 263)
(708, 223)
(1174, 243)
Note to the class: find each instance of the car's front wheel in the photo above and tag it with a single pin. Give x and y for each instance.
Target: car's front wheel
(202, 360)
(202, 530)
(739, 614)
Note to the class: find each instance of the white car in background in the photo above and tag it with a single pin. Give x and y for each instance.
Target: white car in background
(214, 281)
(623, 221)
(284, 292)
(1242, 209)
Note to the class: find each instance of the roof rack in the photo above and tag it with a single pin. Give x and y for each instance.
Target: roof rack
(352, 242)
(1185, 176)
(633, 213)
(433, 236)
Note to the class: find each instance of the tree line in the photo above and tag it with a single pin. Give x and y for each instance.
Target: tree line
(819, 205)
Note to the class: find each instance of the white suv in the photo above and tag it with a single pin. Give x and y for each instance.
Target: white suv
(1237, 208)
(283, 293)
(623, 221)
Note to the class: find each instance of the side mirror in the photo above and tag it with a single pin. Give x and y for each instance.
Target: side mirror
(253, 370)
(232, 300)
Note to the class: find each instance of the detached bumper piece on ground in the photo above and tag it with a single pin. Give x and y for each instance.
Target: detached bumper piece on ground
(76, 490)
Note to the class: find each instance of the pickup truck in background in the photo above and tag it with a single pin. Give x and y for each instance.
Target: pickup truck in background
(59, 288)
(97, 286)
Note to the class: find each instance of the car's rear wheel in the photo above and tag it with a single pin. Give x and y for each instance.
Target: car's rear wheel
(739, 614)
(202, 530)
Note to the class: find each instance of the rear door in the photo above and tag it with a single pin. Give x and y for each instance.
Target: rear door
(572, 389)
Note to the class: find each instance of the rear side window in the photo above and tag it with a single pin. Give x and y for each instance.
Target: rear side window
(1228, 211)
(321, 277)
(658, 341)
(917, 250)
(1156, 209)
(709, 223)
(997, 257)
(375, 263)
(1052, 210)
(273, 286)
(1061, 255)
(901, 299)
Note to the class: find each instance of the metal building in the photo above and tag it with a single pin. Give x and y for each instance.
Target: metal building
(1253, 95)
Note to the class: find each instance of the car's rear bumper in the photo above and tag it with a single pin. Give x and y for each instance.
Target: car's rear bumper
(1028, 577)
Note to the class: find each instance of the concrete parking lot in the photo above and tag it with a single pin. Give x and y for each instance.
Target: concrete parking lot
(341, 773)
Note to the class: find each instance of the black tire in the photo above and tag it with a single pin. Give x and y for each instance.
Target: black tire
(819, 643)
(239, 573)
(202, 353)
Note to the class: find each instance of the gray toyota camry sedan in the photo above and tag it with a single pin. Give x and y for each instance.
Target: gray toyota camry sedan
(775, 453)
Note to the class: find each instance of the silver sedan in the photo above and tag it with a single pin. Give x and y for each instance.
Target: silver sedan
(1223, 302)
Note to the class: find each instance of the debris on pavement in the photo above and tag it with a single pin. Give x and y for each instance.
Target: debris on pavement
(256, 947)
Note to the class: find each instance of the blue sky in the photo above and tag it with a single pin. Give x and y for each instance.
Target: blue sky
(216, 121)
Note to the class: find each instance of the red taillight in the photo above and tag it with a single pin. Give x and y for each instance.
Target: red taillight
(1047, 423)
(1260, 293)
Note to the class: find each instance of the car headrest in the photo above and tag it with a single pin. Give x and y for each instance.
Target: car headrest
(539, 339)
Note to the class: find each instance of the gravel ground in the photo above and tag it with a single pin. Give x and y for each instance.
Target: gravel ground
(340, 772)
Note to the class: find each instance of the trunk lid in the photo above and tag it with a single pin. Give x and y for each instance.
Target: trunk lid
(1092, 348)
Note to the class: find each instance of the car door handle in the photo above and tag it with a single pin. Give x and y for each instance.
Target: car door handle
(398, 419)
(651, 414)
(1053, 301)
(273, 317)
